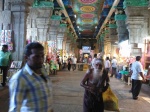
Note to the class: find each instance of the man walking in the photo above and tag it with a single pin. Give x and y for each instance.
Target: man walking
(137, 77)
(93, 61)
(107, 64)
(114, 66)
(30, 88)
(5, 62)
(74, 62)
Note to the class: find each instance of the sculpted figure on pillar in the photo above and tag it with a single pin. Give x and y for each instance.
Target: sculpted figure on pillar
(36, 2)
(63, 21)
(58, 12)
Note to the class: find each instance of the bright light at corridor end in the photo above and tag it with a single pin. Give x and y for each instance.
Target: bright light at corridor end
(124, 49)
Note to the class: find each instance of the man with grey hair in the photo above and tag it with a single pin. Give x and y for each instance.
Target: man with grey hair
(95, 83)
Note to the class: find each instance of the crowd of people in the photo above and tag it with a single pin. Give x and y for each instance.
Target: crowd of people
(28, 96)
(97, 78)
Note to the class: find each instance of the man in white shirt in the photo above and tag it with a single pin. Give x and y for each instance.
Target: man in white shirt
(93, 61)
(114, 66)
(74, 62)
(107, 64)
(137, 77)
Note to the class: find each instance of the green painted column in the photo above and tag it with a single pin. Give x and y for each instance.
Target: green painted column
(42, 4)
(121, 27)
(135, 3)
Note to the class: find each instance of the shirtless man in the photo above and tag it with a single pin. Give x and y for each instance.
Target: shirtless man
(93, 82)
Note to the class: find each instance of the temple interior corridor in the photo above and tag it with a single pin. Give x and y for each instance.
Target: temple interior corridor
(78, 28)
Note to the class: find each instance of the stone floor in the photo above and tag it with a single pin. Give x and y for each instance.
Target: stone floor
(68, 94)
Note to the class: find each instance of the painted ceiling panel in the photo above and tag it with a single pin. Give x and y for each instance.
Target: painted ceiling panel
(87, 1)
(90, 14)
(87, 15)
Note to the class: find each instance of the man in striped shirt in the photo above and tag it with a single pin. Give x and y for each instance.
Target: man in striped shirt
(30, 88)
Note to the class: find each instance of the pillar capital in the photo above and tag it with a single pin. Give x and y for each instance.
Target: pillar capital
(135, 3)
(60, 43)
(43, 4)
(137, 11)
(135, 22)
(135, 26)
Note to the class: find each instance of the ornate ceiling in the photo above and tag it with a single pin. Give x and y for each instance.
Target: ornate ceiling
(85, 18)
(88, 16)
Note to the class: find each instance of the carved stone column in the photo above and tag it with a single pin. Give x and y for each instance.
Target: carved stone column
(64, 44)
(1, 9)
(107, 43)
(55, 22)
(59, 43)
(38, 21)
(13, 26)
(137, 24)
(120, 18)
(19, 13)
(5, 16)
(113, 36)
(101, 49)
(1, 5)
(135, 27)
(68, 47)
(149, 5)
(64, 41)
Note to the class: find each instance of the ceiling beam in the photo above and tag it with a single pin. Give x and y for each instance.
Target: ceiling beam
(116, 2)
(66, 15)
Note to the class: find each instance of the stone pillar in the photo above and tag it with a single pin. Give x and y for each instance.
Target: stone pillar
(5, 17)
(1, 9)
(38, 24)
(38, 21)
(135, 27)
(113, 36)
(107, 44)
(1, 5)
(68, 47)
(120, 18)
(136, 34)
(149, 5)
(6, 14)
(59, 43)
(13, 26)
(19, 14)
(137, 23)
(101, 42)
(64, 44)
(55, 23)
(64, 41)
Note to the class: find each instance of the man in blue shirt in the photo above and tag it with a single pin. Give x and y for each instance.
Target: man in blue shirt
(30, 88)
(5, 61)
